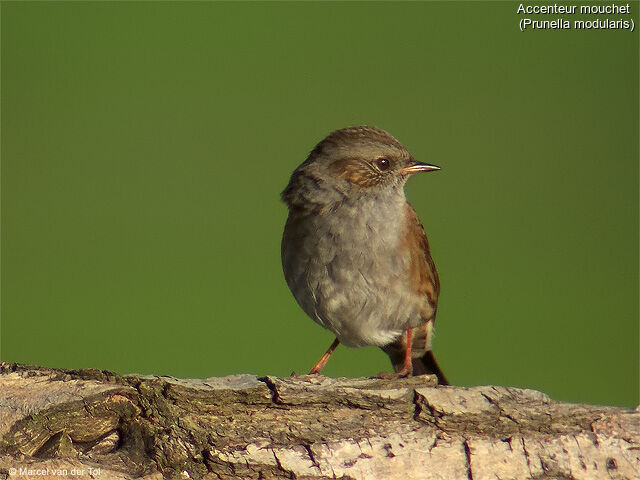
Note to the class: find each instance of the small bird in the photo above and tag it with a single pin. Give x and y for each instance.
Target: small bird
(354, 252)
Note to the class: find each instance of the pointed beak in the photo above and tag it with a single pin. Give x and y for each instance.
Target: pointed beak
(418, 167)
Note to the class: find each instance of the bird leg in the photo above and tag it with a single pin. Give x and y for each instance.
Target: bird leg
(407, 365)
(324, 358)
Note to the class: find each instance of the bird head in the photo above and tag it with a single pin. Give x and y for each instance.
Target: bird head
(353, 162)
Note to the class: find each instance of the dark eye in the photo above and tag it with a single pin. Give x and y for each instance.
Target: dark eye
(383, 163)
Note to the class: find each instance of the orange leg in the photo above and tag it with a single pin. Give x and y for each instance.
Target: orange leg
(407, 365)
(324, 358)
(407, 352)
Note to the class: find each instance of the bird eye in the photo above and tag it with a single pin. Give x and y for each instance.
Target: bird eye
(383, 163)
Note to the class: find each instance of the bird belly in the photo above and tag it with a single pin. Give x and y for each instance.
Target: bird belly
(364, 309)
(356, 289)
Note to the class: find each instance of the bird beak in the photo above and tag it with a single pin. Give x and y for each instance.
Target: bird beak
(418, 167)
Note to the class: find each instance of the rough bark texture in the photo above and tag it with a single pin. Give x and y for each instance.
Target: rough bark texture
(97, 424)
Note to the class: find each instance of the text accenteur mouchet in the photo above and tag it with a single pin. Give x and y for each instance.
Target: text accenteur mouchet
(600, 9)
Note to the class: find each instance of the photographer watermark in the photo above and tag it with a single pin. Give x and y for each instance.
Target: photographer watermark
(73, 472)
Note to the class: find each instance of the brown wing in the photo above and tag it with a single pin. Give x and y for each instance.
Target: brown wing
(423, 275)
(423, 278)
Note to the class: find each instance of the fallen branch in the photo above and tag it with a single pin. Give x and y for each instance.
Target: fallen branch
(103, 425)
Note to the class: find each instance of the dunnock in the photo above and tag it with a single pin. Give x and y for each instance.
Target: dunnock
(354, 253)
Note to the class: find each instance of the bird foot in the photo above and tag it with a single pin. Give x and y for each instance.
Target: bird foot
(403, 373)
(297, 375)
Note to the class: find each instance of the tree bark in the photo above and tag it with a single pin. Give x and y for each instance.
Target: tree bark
(98, 424)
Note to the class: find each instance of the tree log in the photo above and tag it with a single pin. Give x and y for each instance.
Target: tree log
(98, 424)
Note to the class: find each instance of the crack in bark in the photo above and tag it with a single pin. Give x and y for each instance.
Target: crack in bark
(467, 454)
(436, 439)
(291, 474)
(580, 457)
(275, 395)
(312, 457)
(508, 442)
(594, 439)
(421, 401)
(417, 407)
(500, 409)
(526, 455)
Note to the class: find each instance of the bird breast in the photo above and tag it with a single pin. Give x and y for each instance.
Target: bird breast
(349, 270)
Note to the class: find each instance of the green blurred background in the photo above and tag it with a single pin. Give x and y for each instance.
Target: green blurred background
(145, 145)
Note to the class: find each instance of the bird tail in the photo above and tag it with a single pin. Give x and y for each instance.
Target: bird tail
(427, 365)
